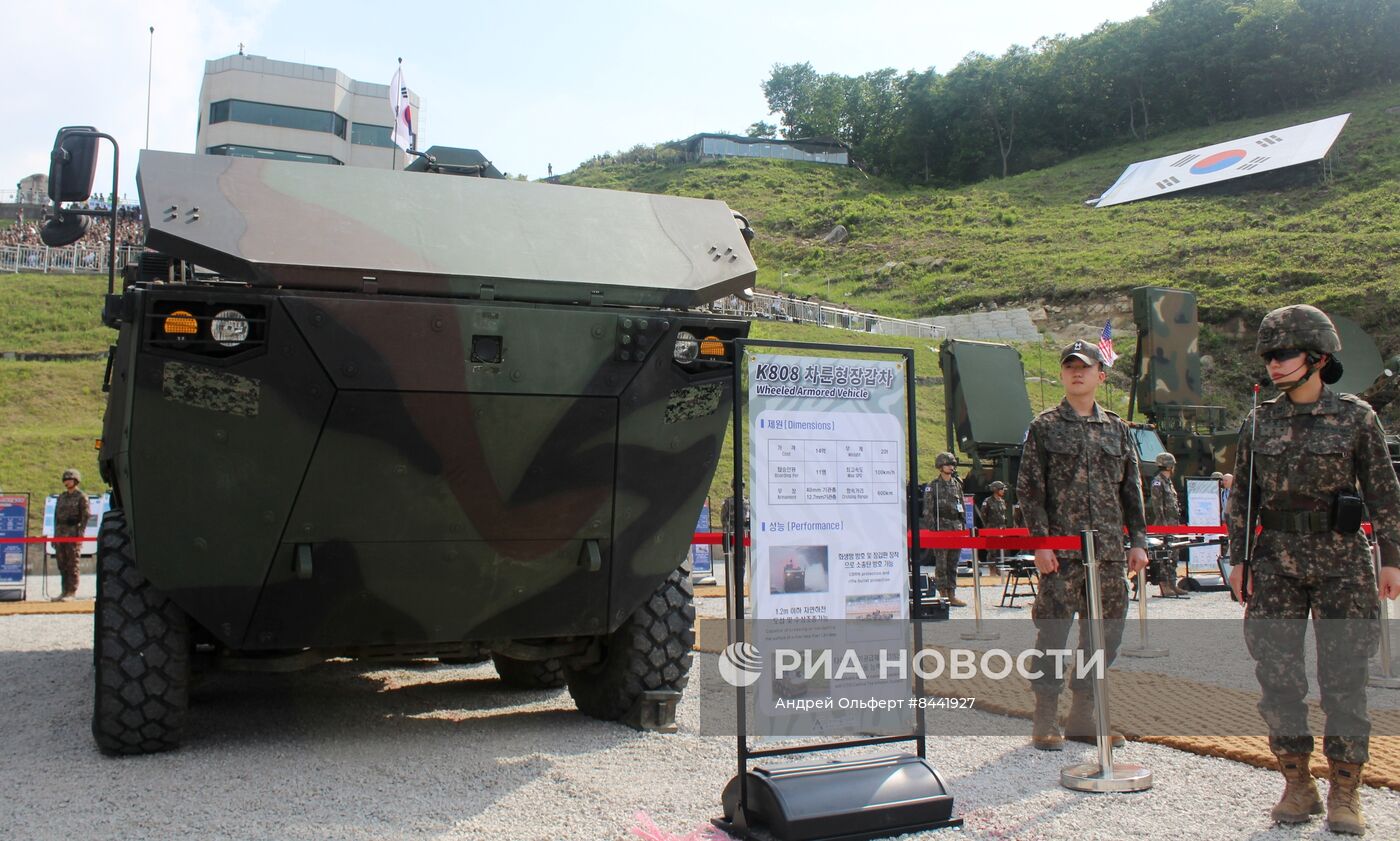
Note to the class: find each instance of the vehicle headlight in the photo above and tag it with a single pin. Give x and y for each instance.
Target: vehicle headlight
(229, 328)
(687, 348)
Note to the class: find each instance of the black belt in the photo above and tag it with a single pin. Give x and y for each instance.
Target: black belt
(1297, 522)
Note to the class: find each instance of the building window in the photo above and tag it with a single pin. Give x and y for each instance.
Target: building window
(368, 135)
(282, 116)
(235, 151)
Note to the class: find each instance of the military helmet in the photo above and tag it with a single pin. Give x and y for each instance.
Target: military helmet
(70, 473)
(998, 486)
(1297, 327)
(1166, 461)
(944, 458)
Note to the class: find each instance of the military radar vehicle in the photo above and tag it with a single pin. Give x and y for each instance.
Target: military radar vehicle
(406, 416)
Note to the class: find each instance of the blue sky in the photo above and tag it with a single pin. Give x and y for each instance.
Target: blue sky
(529, 83)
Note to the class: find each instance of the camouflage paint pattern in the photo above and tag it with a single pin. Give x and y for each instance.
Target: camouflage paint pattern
(1169, 364)
(208, 388)
(504, 449)
(1082, 473)
(1302, 456)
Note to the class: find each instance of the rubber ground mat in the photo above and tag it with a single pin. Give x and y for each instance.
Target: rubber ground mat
(1147, 707)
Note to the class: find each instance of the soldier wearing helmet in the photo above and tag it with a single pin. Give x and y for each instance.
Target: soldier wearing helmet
(943, 511)
(1165, 510)
(1309, 459)
(70, 519)
(1079, 470)
(996, 513)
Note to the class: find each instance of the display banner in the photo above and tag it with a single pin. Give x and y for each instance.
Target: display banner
(1203, 509)
(14, 513)
(829, 551)
(701, 554)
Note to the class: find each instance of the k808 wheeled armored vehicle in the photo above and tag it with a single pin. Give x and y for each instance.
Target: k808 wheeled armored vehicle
(383, 414)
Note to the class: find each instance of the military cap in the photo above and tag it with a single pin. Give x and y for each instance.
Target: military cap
(1088, 352)
(1166, 461)
(998, 486)
(1297, 327)
(73, 474)
(944, 458)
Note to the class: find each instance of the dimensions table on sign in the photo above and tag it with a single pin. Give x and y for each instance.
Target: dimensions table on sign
(833, 472)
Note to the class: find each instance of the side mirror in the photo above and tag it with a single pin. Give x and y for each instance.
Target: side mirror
(73, 164)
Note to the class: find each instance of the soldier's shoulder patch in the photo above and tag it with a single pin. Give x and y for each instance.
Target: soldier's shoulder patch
(1346, 397)
(1156, 481)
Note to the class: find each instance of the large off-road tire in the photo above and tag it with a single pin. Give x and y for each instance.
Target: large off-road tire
(651, 651)
(529, 674)
(141, 651)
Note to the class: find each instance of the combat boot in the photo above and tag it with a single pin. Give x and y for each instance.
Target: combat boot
(1300, 800)
(1344, 798)
(1045, 730)
(1080, 724)
(954, 601)
(1179, 591)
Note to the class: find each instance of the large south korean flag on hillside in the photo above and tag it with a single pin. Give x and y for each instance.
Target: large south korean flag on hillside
(1251, 155)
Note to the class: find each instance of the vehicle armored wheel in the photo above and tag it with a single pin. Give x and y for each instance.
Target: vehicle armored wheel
(141, 653)
(650, 651)
(529, 674)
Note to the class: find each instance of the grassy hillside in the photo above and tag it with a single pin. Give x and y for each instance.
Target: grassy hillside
(1277, 238)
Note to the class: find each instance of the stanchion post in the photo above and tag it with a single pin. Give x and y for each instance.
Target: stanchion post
(1144, 647)
(1387, 678)
(1104, 775)
(977, 633)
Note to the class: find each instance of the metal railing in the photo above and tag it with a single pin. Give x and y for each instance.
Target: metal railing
(72, 259)
(778, 308)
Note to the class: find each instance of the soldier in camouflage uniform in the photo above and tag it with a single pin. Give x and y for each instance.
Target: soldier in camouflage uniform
(1165, 510)
(943, 511)
(1303, 457)
(996, 514)
(70, 519)
(1079, 470)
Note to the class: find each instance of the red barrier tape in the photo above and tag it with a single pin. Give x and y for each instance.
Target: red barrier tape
(46, 539)
(1007, 538)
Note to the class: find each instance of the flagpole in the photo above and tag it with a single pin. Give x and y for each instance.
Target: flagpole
(150, 54)
(394, 134)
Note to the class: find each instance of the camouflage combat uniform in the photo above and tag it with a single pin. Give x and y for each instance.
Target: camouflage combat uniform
(1080, 473)
(70, 519)
(1164, 510)
(1304, 455)
(943, 511)
(996, 514)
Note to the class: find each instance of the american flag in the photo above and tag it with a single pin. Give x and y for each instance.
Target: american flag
(1106, 344)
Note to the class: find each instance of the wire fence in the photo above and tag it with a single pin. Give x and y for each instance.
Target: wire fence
(71, 259)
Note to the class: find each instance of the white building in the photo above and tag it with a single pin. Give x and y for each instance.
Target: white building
(251, 106)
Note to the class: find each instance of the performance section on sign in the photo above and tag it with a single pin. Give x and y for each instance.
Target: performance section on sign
(830, 575)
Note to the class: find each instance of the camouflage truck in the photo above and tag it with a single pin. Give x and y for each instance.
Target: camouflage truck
(407, 416)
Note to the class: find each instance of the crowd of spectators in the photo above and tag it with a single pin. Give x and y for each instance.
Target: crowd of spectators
(129, 232)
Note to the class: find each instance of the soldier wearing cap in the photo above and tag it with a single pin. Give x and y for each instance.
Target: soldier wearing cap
(1079, 470)
(943, 511)
(1309, 459)
(1165, 510)
(70, 519)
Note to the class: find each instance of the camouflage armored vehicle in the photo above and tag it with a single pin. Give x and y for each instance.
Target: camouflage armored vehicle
(409, 415)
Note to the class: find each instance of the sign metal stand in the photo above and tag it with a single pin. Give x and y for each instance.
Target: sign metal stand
(755, 805)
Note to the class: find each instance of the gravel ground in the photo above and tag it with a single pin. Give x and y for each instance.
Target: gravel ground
(434, 752)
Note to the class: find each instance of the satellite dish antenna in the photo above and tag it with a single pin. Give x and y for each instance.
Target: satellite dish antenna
(1361, 359)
